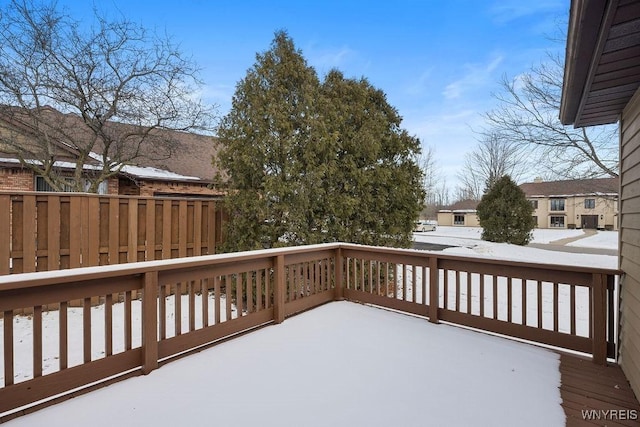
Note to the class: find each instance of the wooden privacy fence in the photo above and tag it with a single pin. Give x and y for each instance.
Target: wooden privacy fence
(151, 312)
(53, 231)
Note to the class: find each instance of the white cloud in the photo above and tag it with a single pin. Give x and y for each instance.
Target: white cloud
(505, 11)
(477, 75)
(419, 86)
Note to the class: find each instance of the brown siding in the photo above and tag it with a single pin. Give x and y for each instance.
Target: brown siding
(630, 241)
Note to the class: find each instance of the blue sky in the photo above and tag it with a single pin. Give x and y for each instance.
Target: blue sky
(437, 61)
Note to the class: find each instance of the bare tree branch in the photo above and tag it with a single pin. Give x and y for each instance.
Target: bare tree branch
(117, 85)
(527, 115)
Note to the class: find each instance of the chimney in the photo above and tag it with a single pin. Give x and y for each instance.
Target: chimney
(538, 180)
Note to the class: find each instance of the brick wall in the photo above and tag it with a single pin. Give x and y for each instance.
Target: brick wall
(150, 188)
(16, 179)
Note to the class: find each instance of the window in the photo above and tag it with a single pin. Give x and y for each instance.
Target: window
(534, 204)
(458, 219)
(535, 221)
(557, 222)
(42, 185)
(589, 203)
(557, 204)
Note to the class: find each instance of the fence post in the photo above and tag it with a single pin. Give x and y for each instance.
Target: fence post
(150, 322)
(339, 276)
(598, 322)
(434, 289)
(5, 230)
(279, 289)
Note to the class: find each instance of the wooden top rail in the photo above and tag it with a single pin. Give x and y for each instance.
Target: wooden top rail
(292, 255)
(44, 278)
(43, 194)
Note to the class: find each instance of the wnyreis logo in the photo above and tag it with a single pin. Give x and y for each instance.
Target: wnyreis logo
(610, 414)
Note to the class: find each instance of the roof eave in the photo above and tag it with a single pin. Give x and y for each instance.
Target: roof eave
(579, 57)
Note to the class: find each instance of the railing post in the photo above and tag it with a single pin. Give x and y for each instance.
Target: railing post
(434, 289)
(339, 276)
(150, 322)
(279, 289)
(598, 321)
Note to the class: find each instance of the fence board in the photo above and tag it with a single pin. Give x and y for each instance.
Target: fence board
(5, 232)
(29, 234)
(53, 231)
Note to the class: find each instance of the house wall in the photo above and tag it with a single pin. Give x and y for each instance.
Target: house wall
(629, 349)
(19, 179)
(151, 188)
(606, 209)
(447, 218)
(16, 179)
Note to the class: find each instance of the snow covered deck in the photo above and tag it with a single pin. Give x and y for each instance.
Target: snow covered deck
(346, 360)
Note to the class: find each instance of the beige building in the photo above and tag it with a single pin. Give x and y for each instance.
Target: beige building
(460, 214)
(586, 203)
(602, 86)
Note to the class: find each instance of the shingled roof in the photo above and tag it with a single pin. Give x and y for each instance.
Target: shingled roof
(573, 187)
(182, 154)
(466, 205)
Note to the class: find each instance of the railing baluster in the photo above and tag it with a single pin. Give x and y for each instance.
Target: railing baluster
(539, 292)
(424, 285)
(216, 300)
(239, 285)
(495, 297)
(523, 287)
(370, 277)
(228, 289)
(127, 320)
(204, 298)
(37, 341)
(162, 313)
(259, 290)
(192, 305)
(404, 282)
(457, 275)
(86, 329)
(446, 289)
(108, 324)
(468, 292)
(8, 347)
(572, 305)
(509, 299)
(481, 295)
(555, 306)
(177, 310)
(64, 334)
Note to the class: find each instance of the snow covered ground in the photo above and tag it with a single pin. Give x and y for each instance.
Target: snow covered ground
(341, 364)
(467, 242)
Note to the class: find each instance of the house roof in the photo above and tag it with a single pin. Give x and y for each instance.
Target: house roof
(605, 186)
(188, 158)
(466, 205)
(602, 63)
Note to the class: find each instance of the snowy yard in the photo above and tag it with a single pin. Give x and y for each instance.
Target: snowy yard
(338, 364)
(467, 241)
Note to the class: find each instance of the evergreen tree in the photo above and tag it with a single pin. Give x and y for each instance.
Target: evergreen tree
(505, 213)
(310, 162)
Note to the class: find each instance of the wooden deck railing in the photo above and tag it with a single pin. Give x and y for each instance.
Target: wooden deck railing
(134, 316)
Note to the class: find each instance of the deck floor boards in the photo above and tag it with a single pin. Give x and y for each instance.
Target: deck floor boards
(586, 386)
